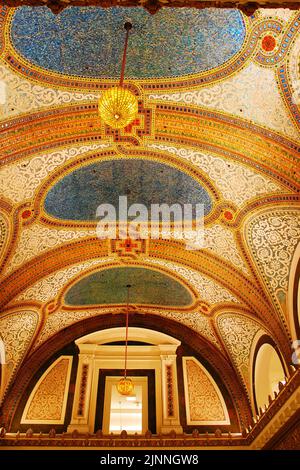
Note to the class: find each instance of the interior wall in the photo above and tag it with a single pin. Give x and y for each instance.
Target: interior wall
(183, 350)
(69, 350)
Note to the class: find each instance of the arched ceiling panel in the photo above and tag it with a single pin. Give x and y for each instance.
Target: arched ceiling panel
(272, 236)
(61, 319)
(147, 286)
(201, 40)
(228, 119)
(238, 334)
(266, 109)
(78, 195)
(17, 330)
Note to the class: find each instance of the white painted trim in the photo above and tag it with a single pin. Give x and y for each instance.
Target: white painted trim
(134, 334)
(187, 400)
(290, 292)
(66, 392)
(256, 338)
(136, 360)
(95, 351)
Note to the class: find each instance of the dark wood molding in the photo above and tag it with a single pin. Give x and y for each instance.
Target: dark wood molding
(152, 6)
(288, 438)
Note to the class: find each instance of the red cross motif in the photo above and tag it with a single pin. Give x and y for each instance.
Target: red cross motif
(128, 245)
(128, 128)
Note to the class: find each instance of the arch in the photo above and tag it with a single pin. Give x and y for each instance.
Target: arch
(268, 369)
(111, 335)
(212, 359)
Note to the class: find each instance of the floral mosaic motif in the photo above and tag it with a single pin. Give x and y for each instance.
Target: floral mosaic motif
(293, 72)
(37, 239)
(221, 241)
(3, 234)
(236, 182)
(61, 319)
(238, 333)
(229, 96)
(284, 14)
(49, 287)
(268, 43)
(16, 331)
(273, 237)
(20, 180)
(22, 96)
(201, 40)
(47, 402)
(204, 402)
(196, 322)
(279, 40)
(208, 290)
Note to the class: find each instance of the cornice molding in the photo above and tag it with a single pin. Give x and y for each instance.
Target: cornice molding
(153, 6)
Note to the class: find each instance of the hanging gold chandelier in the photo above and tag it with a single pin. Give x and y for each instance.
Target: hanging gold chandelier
(118, 106)
(125, 385)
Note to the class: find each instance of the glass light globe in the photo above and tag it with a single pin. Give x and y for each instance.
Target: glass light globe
(118, 107)
(125, 386)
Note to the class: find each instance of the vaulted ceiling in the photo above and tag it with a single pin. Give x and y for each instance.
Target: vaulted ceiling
(218, 123)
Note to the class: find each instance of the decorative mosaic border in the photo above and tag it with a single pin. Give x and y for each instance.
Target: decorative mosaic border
(37, 210)
(80, 123)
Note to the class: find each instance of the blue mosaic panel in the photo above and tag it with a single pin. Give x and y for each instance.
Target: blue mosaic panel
(78, 194)
(147, 287)
(88, 41)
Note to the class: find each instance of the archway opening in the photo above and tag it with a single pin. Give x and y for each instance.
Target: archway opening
(268, 372)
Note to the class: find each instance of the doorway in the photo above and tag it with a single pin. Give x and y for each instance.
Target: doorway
(135, 413)
(128, 413)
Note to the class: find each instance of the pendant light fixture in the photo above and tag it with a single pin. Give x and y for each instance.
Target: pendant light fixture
(118, 106)
(125, 385)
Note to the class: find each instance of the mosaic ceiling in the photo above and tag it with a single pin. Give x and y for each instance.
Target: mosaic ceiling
(77, 195)
(109, 287)
(201, 40)
(218, 123)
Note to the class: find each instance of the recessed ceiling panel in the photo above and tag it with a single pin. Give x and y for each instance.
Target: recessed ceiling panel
(88, 41)
(147, 287)
(77, 195)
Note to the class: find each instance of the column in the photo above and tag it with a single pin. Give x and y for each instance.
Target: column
(81, 404)
(171, 416)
